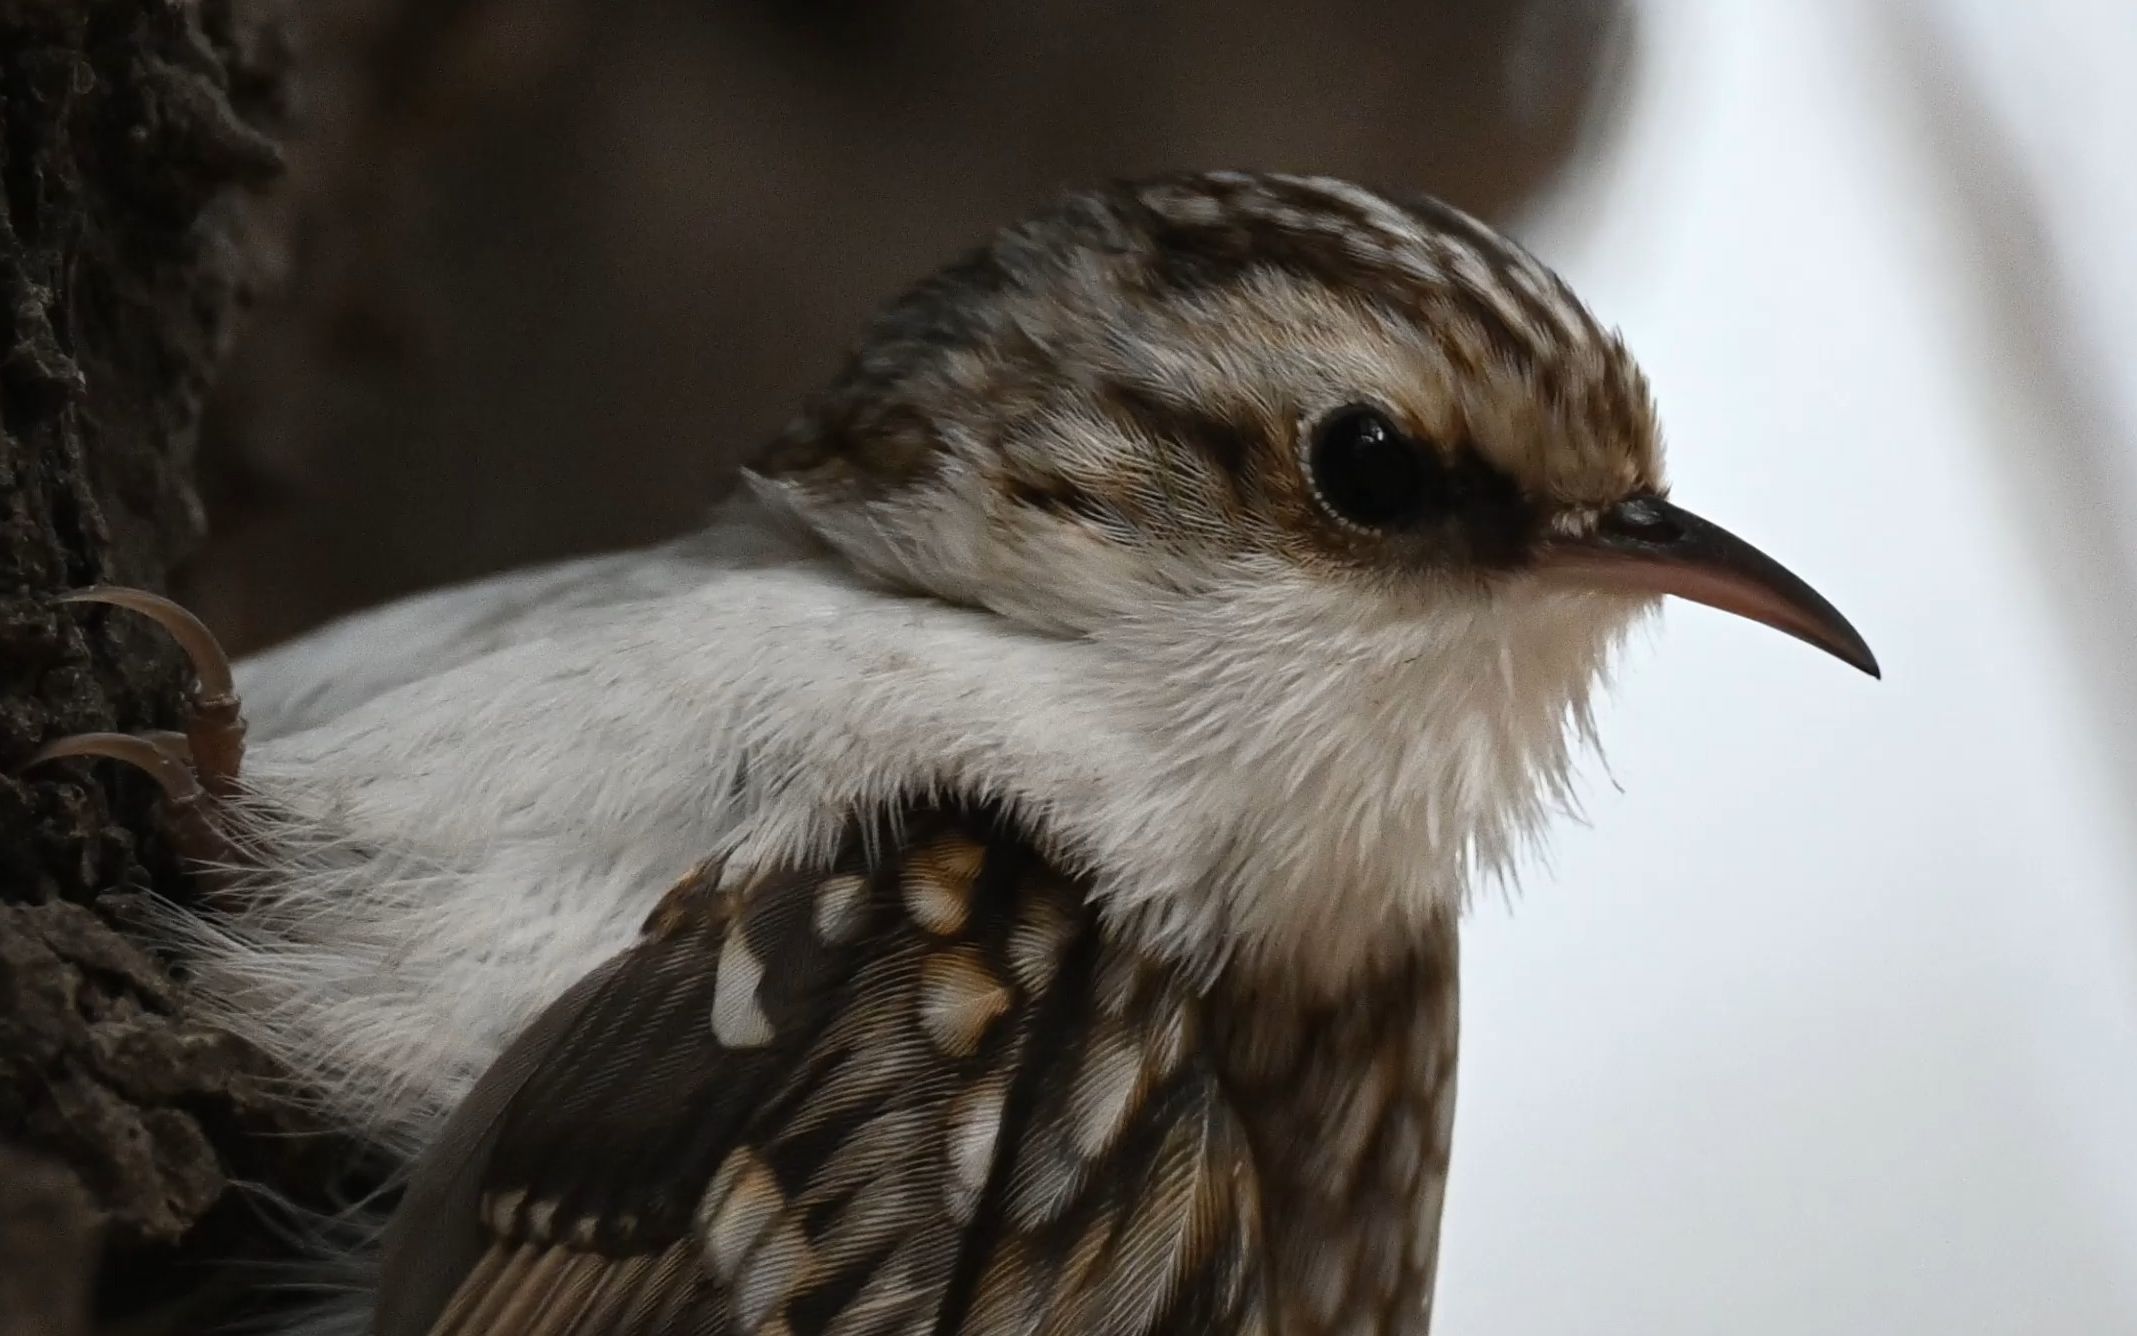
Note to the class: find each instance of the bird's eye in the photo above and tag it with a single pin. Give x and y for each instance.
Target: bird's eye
(1365, 470)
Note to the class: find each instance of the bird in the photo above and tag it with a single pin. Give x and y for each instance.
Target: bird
(1003, 872)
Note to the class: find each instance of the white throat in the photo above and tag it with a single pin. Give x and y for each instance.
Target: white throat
(1278, 769)
(1323, 773)
(1255, 759)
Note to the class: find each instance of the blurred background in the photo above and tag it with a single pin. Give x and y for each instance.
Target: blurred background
(1825, 1020)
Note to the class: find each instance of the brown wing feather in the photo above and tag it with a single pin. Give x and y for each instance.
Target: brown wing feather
(917, 1091)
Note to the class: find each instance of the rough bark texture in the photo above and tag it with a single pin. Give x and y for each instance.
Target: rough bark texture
(135, 136)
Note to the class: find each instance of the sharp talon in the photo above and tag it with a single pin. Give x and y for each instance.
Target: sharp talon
(170, 772)
(202, 650)
(164, 757)
(190, 767)
(215, 731)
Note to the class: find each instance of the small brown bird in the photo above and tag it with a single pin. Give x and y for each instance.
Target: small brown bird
(1002, 877)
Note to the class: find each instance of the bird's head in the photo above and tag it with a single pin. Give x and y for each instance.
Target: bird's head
(1351, 465)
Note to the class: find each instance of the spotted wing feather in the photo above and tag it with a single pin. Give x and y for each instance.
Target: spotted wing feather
(917, 1091)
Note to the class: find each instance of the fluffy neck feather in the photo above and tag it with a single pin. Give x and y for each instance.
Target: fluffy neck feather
(1303, 770)
(1326, 774)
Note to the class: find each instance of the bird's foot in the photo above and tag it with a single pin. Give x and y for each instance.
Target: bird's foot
(197, 766)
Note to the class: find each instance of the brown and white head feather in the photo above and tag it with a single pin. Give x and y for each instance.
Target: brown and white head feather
(1095, 426)
(1129, 374)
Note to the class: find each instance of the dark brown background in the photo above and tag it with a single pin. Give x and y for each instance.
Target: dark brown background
(557, 263)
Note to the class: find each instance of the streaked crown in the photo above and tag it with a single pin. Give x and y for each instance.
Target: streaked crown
(1153, 381)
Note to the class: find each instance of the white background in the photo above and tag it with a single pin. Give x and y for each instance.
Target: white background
(1828, 1022)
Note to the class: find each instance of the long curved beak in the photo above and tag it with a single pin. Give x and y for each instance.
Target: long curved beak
(1646, 545)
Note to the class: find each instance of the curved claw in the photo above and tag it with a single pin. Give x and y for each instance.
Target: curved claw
(164, 758)
(151, 756)
(215, 730)
(202, 650)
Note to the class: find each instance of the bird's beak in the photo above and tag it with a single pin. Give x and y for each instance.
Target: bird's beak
(1646, 545)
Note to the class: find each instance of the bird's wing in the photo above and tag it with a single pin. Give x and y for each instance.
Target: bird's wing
(913, 1091)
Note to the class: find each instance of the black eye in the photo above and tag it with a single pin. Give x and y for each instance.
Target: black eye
(1366, 470)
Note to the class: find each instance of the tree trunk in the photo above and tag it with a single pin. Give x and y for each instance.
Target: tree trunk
(135, 140)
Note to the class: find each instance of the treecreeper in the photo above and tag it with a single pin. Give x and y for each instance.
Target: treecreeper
(1002, 874)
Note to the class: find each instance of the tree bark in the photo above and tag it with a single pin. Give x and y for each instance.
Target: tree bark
(136, 137)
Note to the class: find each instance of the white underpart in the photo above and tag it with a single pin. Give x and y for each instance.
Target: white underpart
(489, 788)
